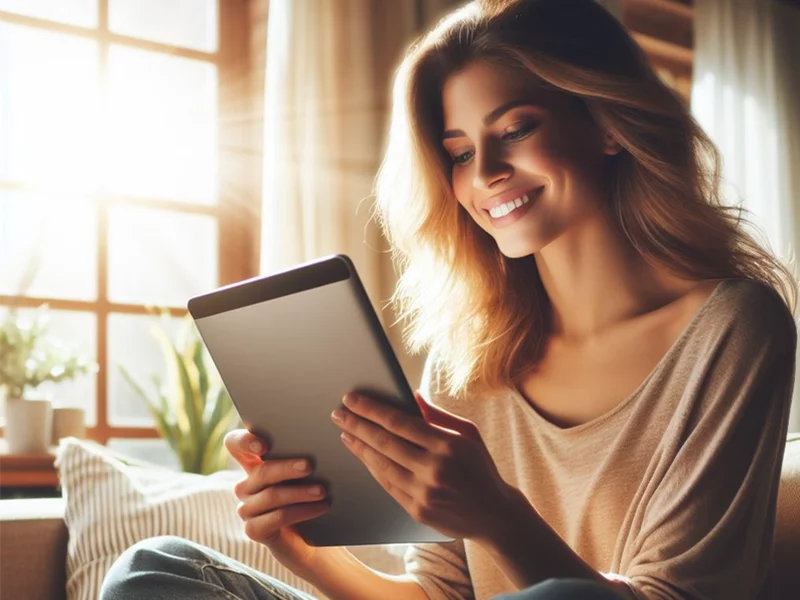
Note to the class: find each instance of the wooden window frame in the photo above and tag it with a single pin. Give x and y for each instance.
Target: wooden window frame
(237, 212)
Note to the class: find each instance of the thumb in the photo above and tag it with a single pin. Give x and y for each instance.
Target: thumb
(439, 417)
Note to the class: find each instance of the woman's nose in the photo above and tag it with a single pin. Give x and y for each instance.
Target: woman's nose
(490, 169)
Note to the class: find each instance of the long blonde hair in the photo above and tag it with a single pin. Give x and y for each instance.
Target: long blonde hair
(485, 317)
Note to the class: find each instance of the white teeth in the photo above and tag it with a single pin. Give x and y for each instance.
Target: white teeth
(501, 210)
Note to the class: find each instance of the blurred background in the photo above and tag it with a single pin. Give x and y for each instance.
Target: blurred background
(151, 150)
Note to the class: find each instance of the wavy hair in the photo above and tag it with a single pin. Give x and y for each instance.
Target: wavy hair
(485, 317)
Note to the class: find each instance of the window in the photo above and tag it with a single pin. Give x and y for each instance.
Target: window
(125, 178)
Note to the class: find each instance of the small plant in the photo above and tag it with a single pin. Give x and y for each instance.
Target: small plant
(192, 410)
(30, 356)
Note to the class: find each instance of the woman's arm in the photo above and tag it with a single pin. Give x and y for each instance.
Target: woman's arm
(341, 576)
(440, 471)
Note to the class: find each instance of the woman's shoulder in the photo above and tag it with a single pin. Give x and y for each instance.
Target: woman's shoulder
(750, 308)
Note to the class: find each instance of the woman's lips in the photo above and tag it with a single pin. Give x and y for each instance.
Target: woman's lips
(518, 212)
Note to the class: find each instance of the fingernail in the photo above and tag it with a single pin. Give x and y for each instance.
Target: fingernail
(315, 490)
(350, 400)
(337, 415)
(256, 447)
(300, 465)
(347, 437)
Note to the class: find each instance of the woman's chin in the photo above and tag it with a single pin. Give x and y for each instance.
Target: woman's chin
(517, 248)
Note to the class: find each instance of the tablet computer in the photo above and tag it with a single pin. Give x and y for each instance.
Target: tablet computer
(288, 347)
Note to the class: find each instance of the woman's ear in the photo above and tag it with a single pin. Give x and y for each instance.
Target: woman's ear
(610, 145)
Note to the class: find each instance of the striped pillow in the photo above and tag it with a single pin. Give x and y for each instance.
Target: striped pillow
(111, 504)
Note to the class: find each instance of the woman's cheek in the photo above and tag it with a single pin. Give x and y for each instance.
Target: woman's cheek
(534, 158)
(461, 187)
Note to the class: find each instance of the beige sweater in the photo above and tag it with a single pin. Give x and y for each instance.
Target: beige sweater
(674, 489)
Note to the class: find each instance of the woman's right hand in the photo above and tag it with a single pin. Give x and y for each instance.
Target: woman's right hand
(269, 508)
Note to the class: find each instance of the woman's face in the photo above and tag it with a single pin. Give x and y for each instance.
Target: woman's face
(527, 163)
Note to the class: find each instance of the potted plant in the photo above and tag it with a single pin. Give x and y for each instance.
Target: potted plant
(192, 409)
(29, 357)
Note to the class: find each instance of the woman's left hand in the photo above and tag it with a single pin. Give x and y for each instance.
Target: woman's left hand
(438, 468)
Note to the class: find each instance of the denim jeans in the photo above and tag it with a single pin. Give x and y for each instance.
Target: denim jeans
(172, 568)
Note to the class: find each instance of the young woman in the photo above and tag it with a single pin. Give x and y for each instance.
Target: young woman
(611, 357)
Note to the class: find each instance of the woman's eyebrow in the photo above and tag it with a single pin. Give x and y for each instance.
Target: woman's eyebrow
(491, 117)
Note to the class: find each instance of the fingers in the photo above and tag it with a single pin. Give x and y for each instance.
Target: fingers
(390, 418)
(246, 448)
(271, 472)
(439, 417)
(382, 439)
(265, 526)
(385, 470)
(279, 497)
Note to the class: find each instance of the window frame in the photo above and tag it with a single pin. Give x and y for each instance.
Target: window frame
(237, 209)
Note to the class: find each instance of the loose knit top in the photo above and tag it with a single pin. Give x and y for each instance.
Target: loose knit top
(675, 488)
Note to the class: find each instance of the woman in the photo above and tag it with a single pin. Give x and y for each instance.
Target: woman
(610, 357)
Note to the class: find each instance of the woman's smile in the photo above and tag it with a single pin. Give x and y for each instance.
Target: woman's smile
(505, 214)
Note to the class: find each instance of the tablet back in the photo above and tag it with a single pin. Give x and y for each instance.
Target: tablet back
(288, 347)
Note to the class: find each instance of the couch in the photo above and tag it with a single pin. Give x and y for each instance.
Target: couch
(33, 540)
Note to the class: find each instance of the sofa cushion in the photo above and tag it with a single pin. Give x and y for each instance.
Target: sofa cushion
(111, 504)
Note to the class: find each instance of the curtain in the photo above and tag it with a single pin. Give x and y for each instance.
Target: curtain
(744, 95)
(327, 87)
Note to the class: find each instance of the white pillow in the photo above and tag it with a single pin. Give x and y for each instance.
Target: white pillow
(110, 505)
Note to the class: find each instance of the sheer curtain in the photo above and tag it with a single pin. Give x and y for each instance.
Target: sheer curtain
(328, 68)
(744, 95)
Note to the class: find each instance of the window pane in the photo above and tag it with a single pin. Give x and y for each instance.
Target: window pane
(48, 103)
(52, 238)
(76, 330)
(162, 126)
(156, 451)
(159, 257)
(187, 23)
(132, 345)
(74, 12)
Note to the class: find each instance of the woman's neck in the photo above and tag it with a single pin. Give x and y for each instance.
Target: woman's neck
(595, 280)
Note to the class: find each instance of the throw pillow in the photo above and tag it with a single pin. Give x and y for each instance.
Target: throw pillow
(113, 502)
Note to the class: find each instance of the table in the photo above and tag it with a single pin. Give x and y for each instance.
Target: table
(27, 474)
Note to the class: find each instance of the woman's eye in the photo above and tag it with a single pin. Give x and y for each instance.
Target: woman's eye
(520, 132)
(462, 158)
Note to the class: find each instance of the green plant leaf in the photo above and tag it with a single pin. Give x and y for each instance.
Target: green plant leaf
(184, 337)
(167, 430)
(215, 451)
(184, 400)
(180, 392)
(136, 387)
(218, 407)
(212, 448)
(193, 405)
(30, 356)
(198, 358)
(194, 402)
(214, 410)
(193, 411)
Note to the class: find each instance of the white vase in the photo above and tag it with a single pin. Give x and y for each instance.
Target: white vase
(28, 425)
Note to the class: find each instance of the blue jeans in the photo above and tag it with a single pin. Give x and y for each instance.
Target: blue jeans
(172, 568)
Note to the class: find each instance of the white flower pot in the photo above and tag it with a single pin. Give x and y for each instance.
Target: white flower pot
(28, 425)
